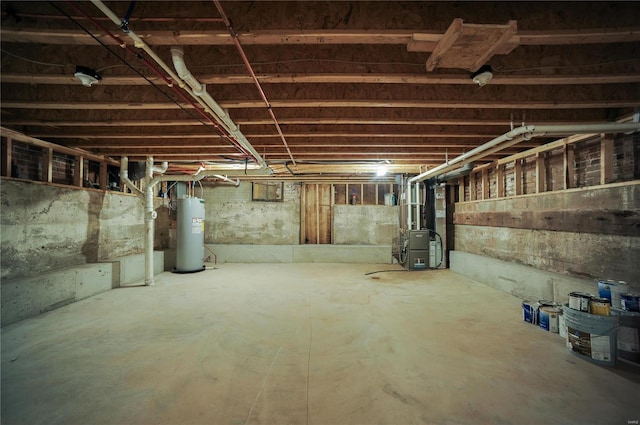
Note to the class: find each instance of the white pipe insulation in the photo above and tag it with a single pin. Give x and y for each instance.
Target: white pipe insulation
(525, 132)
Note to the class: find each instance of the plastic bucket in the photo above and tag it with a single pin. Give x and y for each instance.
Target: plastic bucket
(628, 345)
(591, 337)
(562, 326)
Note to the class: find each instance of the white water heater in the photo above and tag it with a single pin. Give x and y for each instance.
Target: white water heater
(190, 234)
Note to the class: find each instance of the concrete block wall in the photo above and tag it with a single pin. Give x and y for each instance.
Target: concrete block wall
(365, 224)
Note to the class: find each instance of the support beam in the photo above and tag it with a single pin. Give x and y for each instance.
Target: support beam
(103, 179)
(606, 158)
(460, 189)
(485, 184)
(569, 166)
(7, 152)
(517, 177)
(47, 164)
(541, 172)
(472, 186)
(78, 171)
(500, 181)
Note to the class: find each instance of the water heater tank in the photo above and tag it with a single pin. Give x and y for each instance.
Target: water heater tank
(190, 233)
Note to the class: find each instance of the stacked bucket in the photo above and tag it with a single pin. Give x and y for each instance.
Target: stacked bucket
(595, 328)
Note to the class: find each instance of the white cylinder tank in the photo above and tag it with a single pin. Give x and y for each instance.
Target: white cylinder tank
(190, 233)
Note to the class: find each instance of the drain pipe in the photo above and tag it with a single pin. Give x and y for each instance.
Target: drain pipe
(200, 90)
(150, 215)
(512, 137)
(243, 145)
(227, 179)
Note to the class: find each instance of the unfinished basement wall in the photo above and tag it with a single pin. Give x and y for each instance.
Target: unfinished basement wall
(47, 226)
(232, 217)
(563, 221)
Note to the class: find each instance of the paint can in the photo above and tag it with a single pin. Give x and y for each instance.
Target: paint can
(612, 289)
(548, 318)
(630, 302)
(530, 312)
(600, 306)
(579, 301)
(548, 303)
(562, 326)
(628, 335)
(592, 337)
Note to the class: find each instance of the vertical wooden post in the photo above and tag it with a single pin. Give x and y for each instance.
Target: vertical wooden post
(317, 213)
(103, 179)
(47, 159)
(541, 172)
(485, 183)
(500, 180)
(472, 186)
(460, 189)
(78, 173)
(7, 150)
(569, 166)
(517, 177)
(606, 158)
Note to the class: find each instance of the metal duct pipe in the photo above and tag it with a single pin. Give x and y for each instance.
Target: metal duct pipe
(465, 170)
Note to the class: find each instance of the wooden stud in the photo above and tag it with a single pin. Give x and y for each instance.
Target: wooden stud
(104, 177)
(500, 180)
(606, 158)
(460, 189)
(472, 186)
(78, 173)
(517, 177)
(47, 164)
(7, 152)
(485, 184)
(569, 166)
(541, 172)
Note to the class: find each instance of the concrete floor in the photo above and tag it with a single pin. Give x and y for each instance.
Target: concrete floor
(303, 344)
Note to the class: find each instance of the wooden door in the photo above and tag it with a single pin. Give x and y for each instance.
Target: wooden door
(317, 214)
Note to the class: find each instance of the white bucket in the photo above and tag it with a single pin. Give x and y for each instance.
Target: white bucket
(562, 326)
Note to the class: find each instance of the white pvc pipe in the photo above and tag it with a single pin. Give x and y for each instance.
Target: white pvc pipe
(227, 179)
(523, 132)
(149, 219)
(199, 93)
(177, 56)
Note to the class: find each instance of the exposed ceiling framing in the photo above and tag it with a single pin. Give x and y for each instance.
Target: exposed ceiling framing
(352, 84)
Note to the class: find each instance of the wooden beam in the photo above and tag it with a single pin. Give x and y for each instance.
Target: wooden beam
(460, 189)
(7, 153)
(78, 172)
(310, 135)
(47, 164)
(485, 184)
(333, 103)
(46, 145)
(472, 186)
(517, 177)
(541, 172)
(424, 40)
(610, 221)
(448, 39)
(509, 32)
(103, 179)
(606, 158)
(547, 147)
(389, 78)
(500, 180)
(569, 166)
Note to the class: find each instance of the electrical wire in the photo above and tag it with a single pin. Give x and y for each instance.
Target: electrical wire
(34, 61)
(128, 64)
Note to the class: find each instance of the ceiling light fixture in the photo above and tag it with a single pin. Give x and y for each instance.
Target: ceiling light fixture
(483, 75)
(87, 76)
(381, 170)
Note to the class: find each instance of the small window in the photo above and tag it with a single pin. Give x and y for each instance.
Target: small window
(267, 191)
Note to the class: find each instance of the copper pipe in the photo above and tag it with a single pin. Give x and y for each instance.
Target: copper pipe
(236, 41)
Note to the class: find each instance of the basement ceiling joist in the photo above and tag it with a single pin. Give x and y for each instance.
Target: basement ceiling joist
(347, 81)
